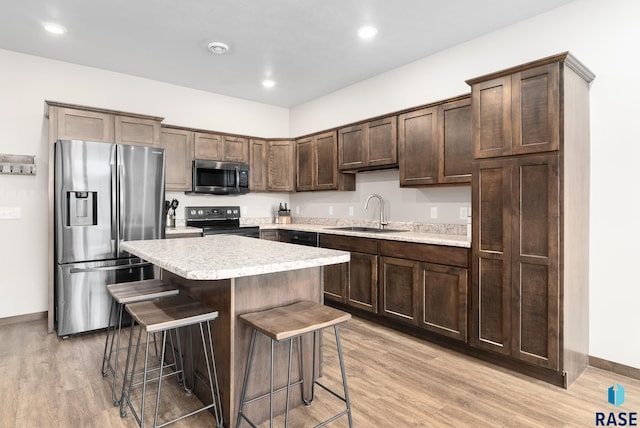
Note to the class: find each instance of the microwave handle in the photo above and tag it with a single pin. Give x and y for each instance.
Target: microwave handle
(237, 178)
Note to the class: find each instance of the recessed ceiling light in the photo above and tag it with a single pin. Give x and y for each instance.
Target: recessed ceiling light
(54, 28)
(268, 83)
(218, 48)
(367, 32)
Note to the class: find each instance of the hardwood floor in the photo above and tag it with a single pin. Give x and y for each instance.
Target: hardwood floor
(395, 380)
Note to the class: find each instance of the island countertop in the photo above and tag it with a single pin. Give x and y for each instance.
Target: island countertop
(227, 256)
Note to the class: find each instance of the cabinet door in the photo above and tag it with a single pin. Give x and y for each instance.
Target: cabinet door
(382, 142)
(235, 149)
(363, 282)
(535, 109)
(418, 147)
(137, 131)
(258, 165)
(326, 167)
(536, 300)
(351, 147)
(304, 164)
(443, 290)
(491, 107)
(84, 125)
(336, 278)
(178, 153)
(399, 291)
(491, 250)
(281, 166)
(455, 142)
(207, 146)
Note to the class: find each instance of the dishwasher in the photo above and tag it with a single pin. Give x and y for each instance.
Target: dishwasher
(300, 237)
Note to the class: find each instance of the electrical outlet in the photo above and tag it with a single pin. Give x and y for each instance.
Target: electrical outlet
(297, 210)
(244, 210)
(463, 213)
(330, 210)
(351, 211)
(434, 212)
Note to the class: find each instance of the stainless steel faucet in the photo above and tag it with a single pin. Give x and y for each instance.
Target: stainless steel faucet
(383, 223)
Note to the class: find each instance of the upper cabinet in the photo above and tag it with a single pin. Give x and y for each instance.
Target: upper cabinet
(435, 144)
(517, 113)
(316, 164)
(90, 124)
(272, 165)
(218, 147)
(368, 145)
(178, 154)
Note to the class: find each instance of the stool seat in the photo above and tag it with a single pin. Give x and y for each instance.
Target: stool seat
(137, 291)
(294, 320)
(165, 314)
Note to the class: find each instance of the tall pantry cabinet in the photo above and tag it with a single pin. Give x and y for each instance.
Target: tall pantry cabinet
(530, 201)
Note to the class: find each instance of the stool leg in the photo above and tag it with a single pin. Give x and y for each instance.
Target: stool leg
(114, 386)
(213, 378)
(247, 371)
(106, 343)
(286, 410)
(126, 391)
(164, 344)
(301, 367)
(271, 388)
(344, 375)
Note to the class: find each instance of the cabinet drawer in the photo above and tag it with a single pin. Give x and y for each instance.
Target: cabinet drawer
(349, 243)
(450, 256)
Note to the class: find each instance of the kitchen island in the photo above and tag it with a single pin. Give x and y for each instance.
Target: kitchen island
(236, 275)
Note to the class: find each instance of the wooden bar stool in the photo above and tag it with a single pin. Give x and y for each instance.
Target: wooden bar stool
(287, 323)
(123, 294)
(162, 316)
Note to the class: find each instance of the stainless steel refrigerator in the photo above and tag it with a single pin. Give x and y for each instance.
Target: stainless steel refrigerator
(104, 194)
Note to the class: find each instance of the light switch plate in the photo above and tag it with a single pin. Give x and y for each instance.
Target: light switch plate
(9, 213)
(434, 212)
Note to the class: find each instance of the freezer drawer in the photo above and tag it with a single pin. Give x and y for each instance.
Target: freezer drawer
(82, 300)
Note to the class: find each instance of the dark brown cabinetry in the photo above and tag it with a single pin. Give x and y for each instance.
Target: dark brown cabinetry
(360, 274)
(426, 286)
(368, 145)
(435, 144)
(517, 113)
(178, 155)
(272, 165)
(220, 147)
(530, 206)
(90, 124)
(316, 164)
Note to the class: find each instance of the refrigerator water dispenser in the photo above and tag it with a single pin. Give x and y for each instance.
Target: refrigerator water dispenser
(82, 209)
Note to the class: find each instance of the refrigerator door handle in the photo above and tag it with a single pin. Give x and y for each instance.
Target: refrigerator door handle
(121, 202)
(107, 268)
(114, 201)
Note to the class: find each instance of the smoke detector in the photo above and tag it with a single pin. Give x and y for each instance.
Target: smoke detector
(218, 48)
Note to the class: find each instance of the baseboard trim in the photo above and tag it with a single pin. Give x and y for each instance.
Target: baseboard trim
(23, 318)
(617, 368)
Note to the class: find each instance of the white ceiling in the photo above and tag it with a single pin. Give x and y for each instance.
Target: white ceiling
(309, 47)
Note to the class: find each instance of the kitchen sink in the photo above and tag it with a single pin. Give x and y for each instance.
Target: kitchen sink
(366, 229)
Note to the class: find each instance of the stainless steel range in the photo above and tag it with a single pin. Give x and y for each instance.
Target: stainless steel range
(219, 220)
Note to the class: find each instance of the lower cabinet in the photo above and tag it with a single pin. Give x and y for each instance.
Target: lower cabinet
(414, 284)
(354, 283)
(427, 295)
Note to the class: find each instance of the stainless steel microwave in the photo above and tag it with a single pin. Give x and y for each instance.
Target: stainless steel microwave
(220, 178)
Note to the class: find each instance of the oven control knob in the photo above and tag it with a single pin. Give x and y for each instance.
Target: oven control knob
(200, 212)
(192, 212)
(229, 211)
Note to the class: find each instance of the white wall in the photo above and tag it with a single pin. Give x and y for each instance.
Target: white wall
(604, 36)
(25, 82)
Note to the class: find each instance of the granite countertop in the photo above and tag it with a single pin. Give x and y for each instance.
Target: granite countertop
(408, 236)
(229, 256)
(182, 229)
